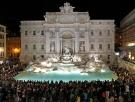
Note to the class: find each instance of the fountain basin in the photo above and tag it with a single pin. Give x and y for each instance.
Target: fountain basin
(65, 76)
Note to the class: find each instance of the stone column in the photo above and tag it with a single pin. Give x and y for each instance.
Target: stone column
(86, 42)
(47, 43)
(76, 42)
(60, 45)
(57, 43)
(73, 42)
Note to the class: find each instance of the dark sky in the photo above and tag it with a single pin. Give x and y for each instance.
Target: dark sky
(13, 11)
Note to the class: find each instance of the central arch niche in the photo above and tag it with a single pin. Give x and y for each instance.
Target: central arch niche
(67, 40)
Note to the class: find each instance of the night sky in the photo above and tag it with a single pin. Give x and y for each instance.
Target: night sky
(13, 11)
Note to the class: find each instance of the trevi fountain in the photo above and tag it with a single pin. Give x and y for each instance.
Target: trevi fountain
(67, 67)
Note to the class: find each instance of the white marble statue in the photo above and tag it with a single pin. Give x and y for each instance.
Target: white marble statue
(67, 8)
(66, 50)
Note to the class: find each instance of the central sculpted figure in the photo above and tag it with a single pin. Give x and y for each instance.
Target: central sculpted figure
(66, 50)
(66, 55)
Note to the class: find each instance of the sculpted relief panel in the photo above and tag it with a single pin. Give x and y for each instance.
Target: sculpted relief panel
(67, 18)
(51, 19)
(82, 19)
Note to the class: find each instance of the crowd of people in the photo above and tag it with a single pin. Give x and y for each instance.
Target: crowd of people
(10, 67)
(120, 90)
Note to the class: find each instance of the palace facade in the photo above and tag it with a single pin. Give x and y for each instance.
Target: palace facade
(2, 42)
(74, 30)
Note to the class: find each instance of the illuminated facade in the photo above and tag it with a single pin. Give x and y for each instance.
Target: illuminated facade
(67, 28)
(2, 42)
(128, 33)
(13, 46)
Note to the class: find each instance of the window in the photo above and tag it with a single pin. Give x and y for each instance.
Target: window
(2, 29)
(100, 46)
(1, 54)
(81, 35)
(82, 43)
(92, 33)
(34, 32)
(120, 36)
(108, 32)
(108, 46)
(108, 56)
(100, 33)
(92, 47)
(42, 32)
(0, 44)
(26, 32)
(42, 56)
(34, 47)
(1, 37)
(26, 47)
(42, 47)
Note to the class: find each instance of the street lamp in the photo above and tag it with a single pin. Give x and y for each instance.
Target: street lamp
(16, 51)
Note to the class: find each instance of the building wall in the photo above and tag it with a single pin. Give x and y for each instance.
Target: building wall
(128, 33)
(118, 39)
(74, 30)
(2, 42)
(13, 46)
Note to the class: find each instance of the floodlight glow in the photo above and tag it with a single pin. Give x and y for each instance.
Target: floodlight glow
(132, 57)
(117, 53)
(131, 44)
(103, 70)
(1, 49)
(16, 50)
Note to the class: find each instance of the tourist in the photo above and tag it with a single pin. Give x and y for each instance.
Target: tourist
(78, 98)
(120, 99)
(110, 99)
